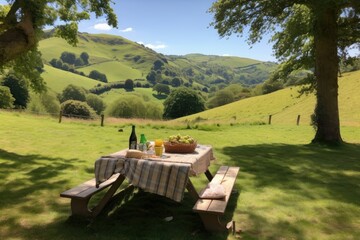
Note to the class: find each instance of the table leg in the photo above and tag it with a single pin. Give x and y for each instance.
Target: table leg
(190, 187)
(108, 195)
(209, 175)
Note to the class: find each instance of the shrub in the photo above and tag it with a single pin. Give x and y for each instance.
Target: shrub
(18, 88)
(96, 103)
(6, 99)
(182, 102)
(44, 103)
(72, 92)
(77, 109)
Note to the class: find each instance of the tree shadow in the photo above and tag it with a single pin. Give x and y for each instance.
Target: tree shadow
(311, 171)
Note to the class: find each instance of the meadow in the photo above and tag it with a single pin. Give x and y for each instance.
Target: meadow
(287, 189)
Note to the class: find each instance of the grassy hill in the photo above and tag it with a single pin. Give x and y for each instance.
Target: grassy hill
(122, 59)
(285, 105)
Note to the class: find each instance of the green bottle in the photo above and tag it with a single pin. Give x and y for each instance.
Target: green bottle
(142, 145)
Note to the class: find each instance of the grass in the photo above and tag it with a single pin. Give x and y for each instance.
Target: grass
(285, 105)
(287, 188)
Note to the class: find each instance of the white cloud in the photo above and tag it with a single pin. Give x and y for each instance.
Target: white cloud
(102, 26)
(157, 46)
(226, 55)
(153, 46)
(129, 29)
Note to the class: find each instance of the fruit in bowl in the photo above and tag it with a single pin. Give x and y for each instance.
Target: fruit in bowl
(180, 144)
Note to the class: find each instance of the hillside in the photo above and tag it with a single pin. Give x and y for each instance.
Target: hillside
(285, 105)
(120, 59)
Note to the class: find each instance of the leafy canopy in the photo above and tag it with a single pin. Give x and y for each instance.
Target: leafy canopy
(22, 23)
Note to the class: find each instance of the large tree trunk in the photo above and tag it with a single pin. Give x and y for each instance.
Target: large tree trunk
(326, 70)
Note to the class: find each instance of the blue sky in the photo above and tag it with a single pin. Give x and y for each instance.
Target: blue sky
(175, 27)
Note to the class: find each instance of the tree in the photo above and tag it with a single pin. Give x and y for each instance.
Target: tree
(95, 74)
(176, 82)
(161, 88)
(18, 88)
(308, 34)
(129, 85)
(72, 92)
(68, 57)
(21, 24)
(6, 99)
(182, 102)
(85, 57)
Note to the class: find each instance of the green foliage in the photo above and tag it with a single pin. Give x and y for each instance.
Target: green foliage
(18, 88)
(221, 97)
(85, 57)
(133, 107)
(77, 109)
(73, 92)
(68, 57)
(95, 74)
(269, 87)
(161, 88)
(44, 103)
(96, 103)
(31, 18)
(129, 85)
(182, 102)
(6, 99)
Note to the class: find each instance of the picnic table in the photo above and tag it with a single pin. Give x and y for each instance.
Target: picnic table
(168, 176)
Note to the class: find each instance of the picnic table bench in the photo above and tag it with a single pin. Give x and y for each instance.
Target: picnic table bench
(81, 195)
(210, 210)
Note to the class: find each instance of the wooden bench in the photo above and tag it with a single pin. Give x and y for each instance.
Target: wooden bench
(81, 195)
(211, 209)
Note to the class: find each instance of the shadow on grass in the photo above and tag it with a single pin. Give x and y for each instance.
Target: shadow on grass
(311, 172)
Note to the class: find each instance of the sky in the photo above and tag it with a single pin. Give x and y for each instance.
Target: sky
(175, 27)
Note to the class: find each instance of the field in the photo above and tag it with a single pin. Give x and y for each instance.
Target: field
(287, 189)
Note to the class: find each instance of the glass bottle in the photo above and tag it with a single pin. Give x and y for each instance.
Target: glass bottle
(142, 145)
(133, 139)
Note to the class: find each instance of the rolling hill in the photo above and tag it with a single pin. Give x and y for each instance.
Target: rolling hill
(284, 106)
(122, 59)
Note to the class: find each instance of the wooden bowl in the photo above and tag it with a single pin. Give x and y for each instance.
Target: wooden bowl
(179, 147)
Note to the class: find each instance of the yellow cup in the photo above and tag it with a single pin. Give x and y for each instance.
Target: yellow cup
(158, 151)
(158, 142)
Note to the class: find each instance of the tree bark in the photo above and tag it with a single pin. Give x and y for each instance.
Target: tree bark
(326, 70)
(17, 40)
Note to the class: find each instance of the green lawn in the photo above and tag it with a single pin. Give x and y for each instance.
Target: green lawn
(287, 189)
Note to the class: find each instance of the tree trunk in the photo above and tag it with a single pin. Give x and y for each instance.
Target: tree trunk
(326, 70)
(17, 40)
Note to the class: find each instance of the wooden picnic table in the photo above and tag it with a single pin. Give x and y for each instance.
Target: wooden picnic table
(168, 176)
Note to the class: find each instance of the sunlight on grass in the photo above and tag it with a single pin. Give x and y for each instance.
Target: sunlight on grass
(287, 189)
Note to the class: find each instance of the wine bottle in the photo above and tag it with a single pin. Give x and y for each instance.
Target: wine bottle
(133, 139)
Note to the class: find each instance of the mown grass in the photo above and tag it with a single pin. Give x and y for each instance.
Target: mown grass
(287, 189)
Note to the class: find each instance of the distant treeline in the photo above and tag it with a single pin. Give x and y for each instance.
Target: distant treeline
(100, 89)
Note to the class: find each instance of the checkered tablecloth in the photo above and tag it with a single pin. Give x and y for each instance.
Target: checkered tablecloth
(166, 176)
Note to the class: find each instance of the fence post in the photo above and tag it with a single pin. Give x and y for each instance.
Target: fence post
(270, 119)
(298, 120)
(60, 116)
(102, 120)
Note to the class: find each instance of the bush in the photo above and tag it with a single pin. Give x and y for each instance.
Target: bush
(18, 88)
(96, 103)
(72, 92)
(77, 109)
(129, 85)
(44, 103)
(6, 99)
(182, 102)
